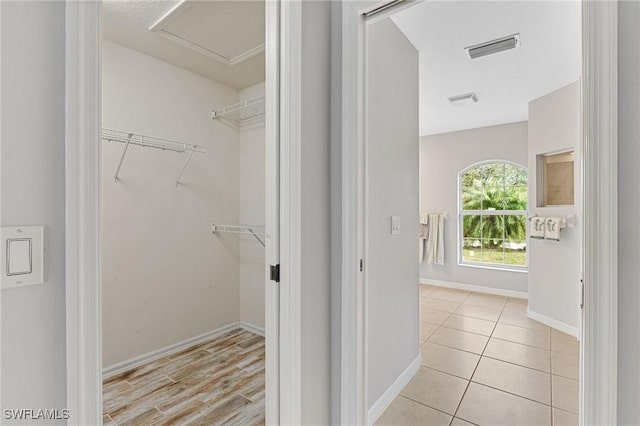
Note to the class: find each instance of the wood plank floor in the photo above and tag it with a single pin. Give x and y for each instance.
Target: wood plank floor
(217, 382)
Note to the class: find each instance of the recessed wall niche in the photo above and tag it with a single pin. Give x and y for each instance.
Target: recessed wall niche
(555, 179)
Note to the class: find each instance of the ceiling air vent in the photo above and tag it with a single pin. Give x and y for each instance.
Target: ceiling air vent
(493, 46)
(465, 99)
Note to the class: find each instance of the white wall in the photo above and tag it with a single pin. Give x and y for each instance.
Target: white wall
(442, 157)
(392, 165)
(32, 152)
(251, 210)
(628, 214)
(165, 277)
(555, 267)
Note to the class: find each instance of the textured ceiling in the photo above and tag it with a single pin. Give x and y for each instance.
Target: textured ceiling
(548, 58)
(226, 28)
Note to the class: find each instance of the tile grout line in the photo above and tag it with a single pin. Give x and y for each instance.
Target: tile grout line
(430, 296)
(550, 405)
(163, 413)
(453, 347)
(523, 344)
(482, 355)
(445, 372)
(516, 364)
(476, 367)
(515, 394)
(465, 331)
(488, 386)
(425, 405)
(435, 331)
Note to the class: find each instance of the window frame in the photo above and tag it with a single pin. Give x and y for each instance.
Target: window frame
(462, 213)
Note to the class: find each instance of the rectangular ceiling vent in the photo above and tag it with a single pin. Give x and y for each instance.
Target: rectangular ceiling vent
(465, 99)
(493, 46)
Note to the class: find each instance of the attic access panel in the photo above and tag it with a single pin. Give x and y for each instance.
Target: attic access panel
(228, 31)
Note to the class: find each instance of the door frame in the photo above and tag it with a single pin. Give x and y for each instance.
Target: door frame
(82, 211)
(598, 371)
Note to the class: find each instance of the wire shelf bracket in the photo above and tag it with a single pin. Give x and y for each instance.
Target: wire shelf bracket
(256, 231)
(241, 114)
(129, 138)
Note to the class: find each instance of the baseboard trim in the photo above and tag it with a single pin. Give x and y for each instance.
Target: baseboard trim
(393, 391)
(252, 328)
(553, 323)
(476, 288)
(123, 366)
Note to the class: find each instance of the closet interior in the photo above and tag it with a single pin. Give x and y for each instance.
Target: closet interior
(183, 212)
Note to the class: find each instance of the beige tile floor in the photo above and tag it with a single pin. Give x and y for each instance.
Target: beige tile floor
(485, 363)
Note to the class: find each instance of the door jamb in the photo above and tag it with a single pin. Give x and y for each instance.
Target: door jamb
(290, 139)
(82, 213)
(598, 399)
(272, 240)
(599, 342)
(82, 209)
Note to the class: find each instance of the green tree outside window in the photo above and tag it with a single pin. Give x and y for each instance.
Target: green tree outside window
(493, 211)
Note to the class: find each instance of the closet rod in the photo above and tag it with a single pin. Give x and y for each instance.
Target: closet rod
(130, 138)
(146, 141)
(255, 230)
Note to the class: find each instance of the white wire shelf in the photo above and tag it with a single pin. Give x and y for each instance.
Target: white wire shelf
(256, 231)
(241, 113)
(130, 138)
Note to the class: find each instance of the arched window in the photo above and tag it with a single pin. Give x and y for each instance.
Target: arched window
(493, 215)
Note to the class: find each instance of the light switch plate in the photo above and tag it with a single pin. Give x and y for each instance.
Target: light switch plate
(395, 225)
(19, 259)
(22, 259)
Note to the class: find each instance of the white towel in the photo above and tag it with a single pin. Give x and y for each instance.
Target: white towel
(435, 241)
(552, 231)
(423, 234)
(538, 226)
